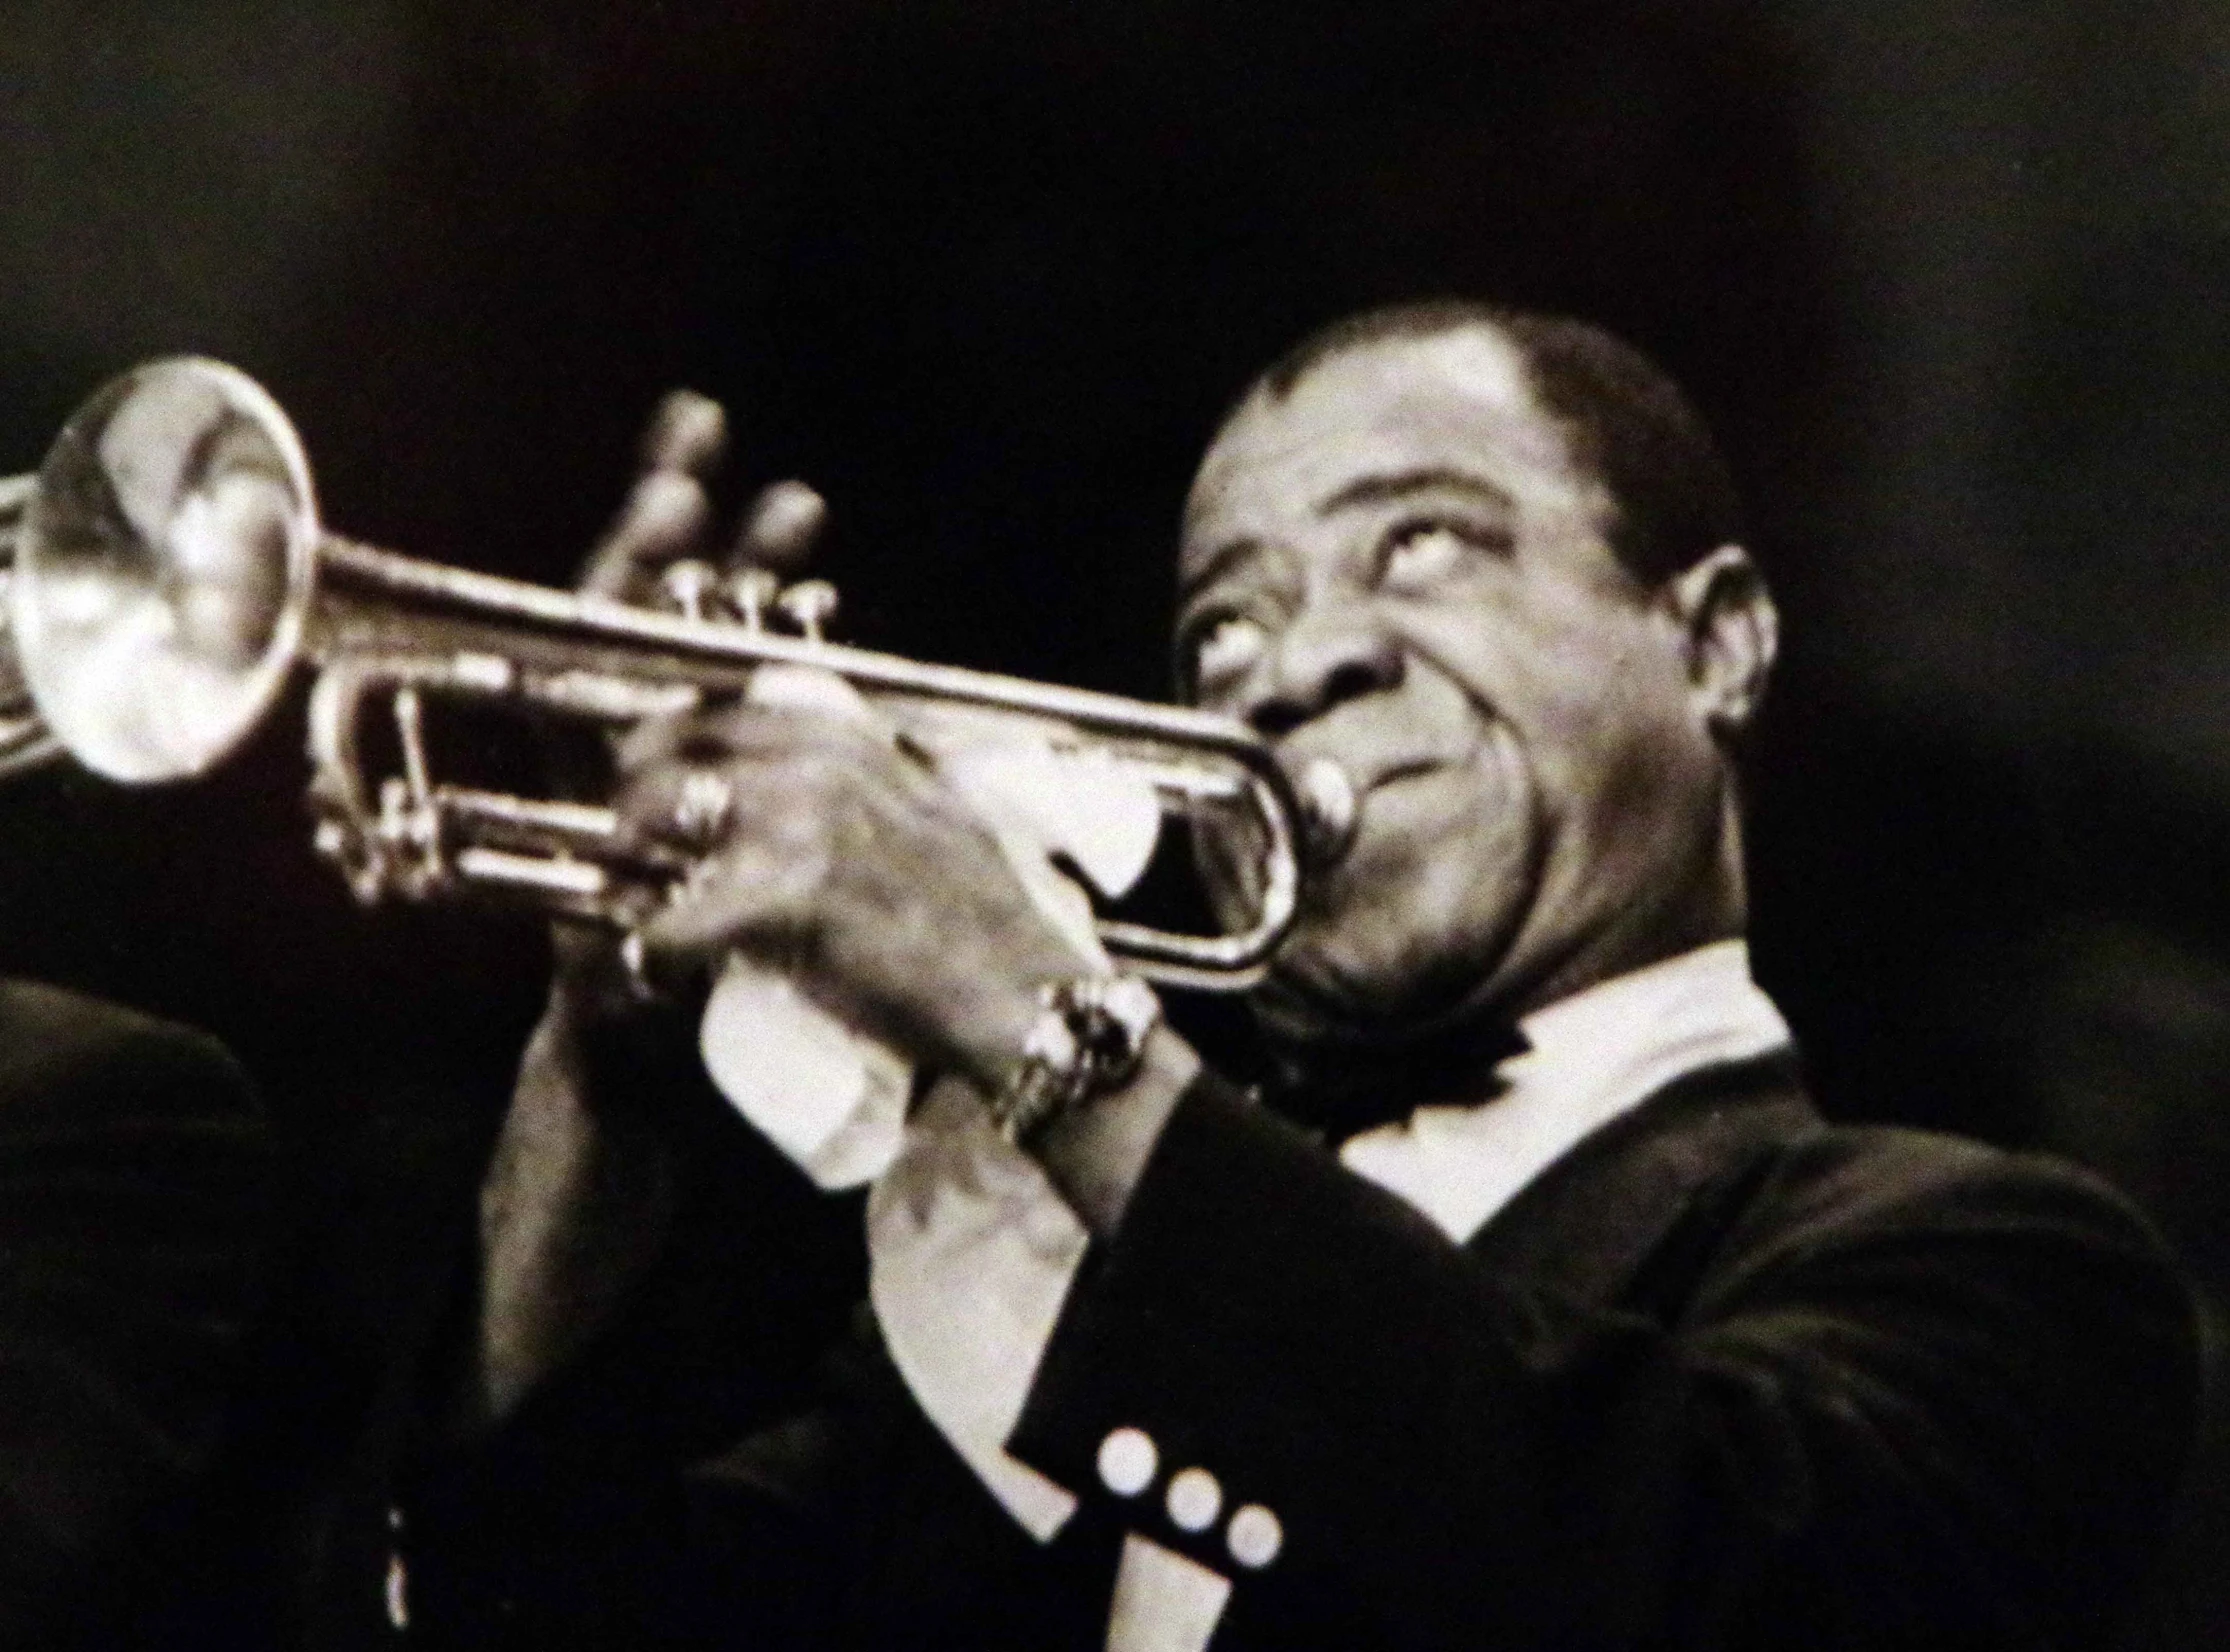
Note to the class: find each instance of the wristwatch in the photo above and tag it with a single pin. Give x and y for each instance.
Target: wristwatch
(1087, 1040)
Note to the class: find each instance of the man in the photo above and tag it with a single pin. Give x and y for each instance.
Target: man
(1534, 1306)
(135, 1214)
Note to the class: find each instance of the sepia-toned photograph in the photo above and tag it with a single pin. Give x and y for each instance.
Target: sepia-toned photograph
(990, 826)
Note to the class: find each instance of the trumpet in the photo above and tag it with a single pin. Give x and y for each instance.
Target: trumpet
(166, 572)
(25, 740)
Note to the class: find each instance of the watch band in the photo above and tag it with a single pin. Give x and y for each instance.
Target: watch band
(1088, 1039)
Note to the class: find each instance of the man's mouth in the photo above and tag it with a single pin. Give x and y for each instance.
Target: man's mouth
(1361, 778)
(1332, 801)
(1394, 773)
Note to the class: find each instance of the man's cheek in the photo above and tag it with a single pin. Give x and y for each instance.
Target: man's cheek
(1509, 650)
(1470, 818)
(1444, 875)
(1483, 659)
(1597, 749)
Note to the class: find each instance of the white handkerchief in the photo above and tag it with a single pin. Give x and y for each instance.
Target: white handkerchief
(1082, 804)
(833, 1101)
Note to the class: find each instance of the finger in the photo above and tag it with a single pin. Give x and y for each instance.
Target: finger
(749, 731)
(743, 900)
(793, 790)
(683, 813)
(652, 741)
(664, 520)
(692, 739)
(667, 512)
(688, 433)
(780, 528)
(684, 806)
(757, 894)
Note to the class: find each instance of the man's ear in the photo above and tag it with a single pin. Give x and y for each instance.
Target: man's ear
(1733, 631)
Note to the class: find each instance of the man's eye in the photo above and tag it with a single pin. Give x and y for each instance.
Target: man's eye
(1424, 555)
(1226, 648)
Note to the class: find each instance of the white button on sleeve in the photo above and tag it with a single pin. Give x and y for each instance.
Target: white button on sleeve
(1254, 1536)
(1128, 1462)
(1194, 1500)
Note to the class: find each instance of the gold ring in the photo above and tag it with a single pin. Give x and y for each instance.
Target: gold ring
(703, 808)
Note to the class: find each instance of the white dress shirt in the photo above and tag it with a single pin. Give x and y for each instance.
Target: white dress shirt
(1590, 1057)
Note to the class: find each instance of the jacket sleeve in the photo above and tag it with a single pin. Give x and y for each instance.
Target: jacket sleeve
(1920, 1394)
(136, 1184)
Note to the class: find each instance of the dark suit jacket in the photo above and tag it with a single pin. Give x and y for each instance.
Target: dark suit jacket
(1724, 1376)
(134, 1201)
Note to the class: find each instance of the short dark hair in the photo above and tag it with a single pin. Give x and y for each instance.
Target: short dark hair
(1628, 423)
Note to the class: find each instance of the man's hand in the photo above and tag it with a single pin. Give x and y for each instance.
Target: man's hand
(843, 861)
(836, 857)
(668, 518)
(576, 1198)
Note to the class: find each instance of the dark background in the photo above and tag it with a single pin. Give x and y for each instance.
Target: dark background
(1948, 278)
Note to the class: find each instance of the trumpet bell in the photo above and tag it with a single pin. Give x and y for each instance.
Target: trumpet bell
(163, 570)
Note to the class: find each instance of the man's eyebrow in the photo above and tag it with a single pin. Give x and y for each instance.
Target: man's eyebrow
(1365, 490)
(1216, 564)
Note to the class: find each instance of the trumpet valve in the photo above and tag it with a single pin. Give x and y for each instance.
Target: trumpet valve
(686, 584)
(750, 592)
(809, 605)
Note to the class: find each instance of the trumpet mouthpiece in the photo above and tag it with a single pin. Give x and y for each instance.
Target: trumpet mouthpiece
(1328, 810)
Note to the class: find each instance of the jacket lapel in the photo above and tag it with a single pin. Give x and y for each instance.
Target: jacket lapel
(1626, 1211)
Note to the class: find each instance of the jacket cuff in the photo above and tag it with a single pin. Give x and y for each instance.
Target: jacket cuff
(1264, 1322)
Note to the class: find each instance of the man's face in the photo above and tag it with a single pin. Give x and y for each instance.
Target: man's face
(1397, 566)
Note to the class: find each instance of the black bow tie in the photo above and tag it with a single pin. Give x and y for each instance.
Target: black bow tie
(1345, 1089)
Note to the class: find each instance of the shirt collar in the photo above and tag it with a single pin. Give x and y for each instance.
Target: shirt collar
(1591, 1057)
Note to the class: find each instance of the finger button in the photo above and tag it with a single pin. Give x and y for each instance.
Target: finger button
(1128, 1462)
(809, 605)
(1194, 1500)
(684, 585)
(1254, 1536)
(750, 591)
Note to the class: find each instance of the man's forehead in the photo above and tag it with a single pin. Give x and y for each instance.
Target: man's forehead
(1451, 398)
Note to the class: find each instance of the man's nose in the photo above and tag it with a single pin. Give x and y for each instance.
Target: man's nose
(1324, 658)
